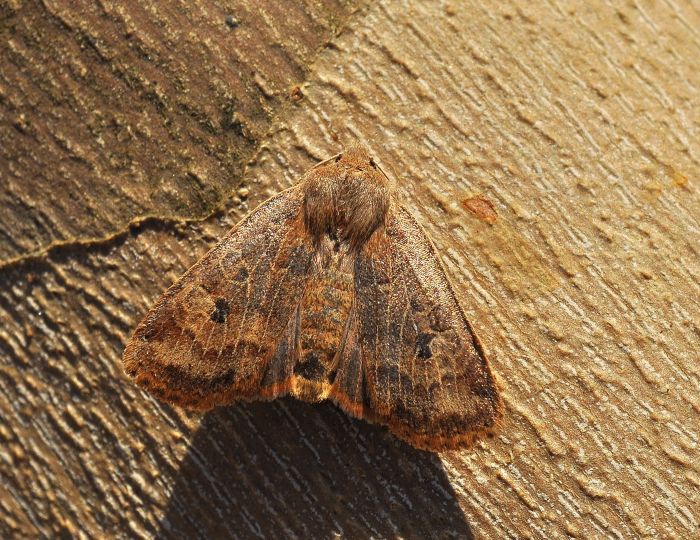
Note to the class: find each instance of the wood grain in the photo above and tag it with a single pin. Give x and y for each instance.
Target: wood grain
(136, 110)
(579, 123)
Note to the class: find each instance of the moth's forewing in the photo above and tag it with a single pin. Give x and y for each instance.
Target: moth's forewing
(424, 373)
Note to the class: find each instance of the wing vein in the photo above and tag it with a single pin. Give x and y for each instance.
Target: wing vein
(247, 297)
(386, 333)
(415, 325)
(376, 337)
(279, 286)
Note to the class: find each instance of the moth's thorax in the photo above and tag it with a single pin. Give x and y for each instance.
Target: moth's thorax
(346, 199)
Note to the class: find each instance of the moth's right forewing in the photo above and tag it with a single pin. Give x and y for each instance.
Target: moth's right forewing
(423, 373)
(215, 334)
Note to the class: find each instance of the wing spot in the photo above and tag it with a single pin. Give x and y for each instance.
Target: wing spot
(423, 345)
(242, 274)
(298, 261)
(486, 391)
(438, 320)
(221, 310)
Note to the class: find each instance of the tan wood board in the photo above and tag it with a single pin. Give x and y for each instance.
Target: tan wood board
(579, 124)
(132, 109)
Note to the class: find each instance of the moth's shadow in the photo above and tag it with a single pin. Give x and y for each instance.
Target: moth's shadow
(286, 469)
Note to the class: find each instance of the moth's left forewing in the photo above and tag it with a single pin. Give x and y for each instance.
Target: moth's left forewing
(227, 329)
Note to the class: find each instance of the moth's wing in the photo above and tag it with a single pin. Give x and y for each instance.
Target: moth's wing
(228, 328)
(411, 360)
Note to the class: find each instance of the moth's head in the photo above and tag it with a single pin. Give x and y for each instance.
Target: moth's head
(355, 161)
(357, 157)
(346, 197)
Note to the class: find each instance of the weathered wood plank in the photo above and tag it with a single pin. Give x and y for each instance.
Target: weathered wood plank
(580, 124)
(136, 109)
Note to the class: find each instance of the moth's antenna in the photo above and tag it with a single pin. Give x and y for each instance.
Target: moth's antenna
(326, 161)
(381, 170)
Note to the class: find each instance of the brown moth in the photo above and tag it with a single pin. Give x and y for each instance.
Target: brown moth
(328, 290)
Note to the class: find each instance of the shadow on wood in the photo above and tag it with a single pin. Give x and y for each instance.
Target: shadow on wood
(288, 469)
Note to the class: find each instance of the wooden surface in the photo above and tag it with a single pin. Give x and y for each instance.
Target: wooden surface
(579, 122)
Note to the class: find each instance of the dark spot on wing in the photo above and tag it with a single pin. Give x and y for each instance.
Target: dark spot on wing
(220, 312)
(333, 237)
(438, 320)
(224, 380)
(366, 396)
(486, 390)
(423, 345)
(299, 259)
(242, 275)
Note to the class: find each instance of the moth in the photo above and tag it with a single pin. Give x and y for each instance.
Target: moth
(328, 290)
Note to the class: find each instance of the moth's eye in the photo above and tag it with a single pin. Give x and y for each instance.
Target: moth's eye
(371, 162)
(337, 158)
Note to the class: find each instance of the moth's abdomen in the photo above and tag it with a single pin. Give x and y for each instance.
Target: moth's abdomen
(325, 307)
